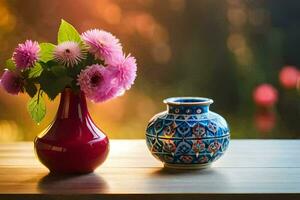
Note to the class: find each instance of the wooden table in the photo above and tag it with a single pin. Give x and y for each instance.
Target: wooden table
(258, 169)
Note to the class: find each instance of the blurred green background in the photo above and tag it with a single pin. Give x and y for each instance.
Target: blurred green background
(222, 49)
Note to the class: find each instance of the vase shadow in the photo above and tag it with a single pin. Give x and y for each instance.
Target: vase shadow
(72, 183)
(210, 180)
(164, 171)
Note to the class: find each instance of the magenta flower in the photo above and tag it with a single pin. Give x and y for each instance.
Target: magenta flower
(124, 69)
(102, 44)
(68, 53)
(11, 82)
(97, 83)
(26, 54)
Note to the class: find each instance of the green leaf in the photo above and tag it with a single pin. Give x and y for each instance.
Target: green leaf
(90, 60)
(59, 70)
(37, 108)
(48, 65)
(30, 88)
(74, 86)
(46, 53)
(9, 64)
(35, 71)
(67, 32)
(53, 85)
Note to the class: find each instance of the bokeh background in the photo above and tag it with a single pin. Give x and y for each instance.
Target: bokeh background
(219, 49)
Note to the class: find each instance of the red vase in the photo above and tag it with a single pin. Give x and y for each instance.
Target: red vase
(72, 143)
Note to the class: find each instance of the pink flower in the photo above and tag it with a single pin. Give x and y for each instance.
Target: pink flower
(11, 82)
(265, 95)
(98, 83)
(26, 54)
(68, 53)
(124, 69)
(102, 44)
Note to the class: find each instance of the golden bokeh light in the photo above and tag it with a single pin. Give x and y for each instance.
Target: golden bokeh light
(235, 42)
(237, 16)
(112, 14)
(161, 53)
(145, 25)
(7, 20)
(9, 131)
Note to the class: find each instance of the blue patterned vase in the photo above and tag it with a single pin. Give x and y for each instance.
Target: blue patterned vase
(188, 134)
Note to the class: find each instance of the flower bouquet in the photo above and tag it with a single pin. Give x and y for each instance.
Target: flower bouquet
(92, 62)
(90, 65)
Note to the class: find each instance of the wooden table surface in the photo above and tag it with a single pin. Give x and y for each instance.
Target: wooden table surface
(258, 169)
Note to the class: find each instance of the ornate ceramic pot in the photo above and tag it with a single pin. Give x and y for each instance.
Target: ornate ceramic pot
(72, 143)
(188, 134)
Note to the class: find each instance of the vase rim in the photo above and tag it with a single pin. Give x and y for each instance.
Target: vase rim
(188, 101)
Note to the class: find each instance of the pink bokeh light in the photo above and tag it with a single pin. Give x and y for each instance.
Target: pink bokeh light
(265, 95)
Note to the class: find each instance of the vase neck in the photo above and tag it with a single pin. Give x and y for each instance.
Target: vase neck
(72, 105)
(187, 110)
(188, 105)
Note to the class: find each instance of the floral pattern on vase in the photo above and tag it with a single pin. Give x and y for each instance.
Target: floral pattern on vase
(187, 135)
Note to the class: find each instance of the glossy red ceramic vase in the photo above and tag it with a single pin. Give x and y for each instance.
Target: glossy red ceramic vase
(72, 143)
